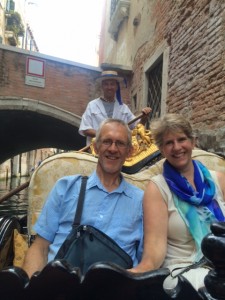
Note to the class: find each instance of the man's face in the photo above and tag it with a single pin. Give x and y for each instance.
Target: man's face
(109, 88)
(113, 148)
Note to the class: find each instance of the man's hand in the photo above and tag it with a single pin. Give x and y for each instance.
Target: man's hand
(146, 111)
(90, 132)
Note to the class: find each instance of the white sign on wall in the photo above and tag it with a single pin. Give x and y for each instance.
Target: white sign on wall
(35, 72)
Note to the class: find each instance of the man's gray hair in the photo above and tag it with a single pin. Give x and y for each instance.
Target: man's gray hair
(118, 121)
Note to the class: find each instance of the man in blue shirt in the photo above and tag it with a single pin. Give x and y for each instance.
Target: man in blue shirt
(111, 204)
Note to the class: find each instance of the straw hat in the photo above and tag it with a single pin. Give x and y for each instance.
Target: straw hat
(108, 75)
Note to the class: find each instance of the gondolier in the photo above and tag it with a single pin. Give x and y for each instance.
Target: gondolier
(109, 105)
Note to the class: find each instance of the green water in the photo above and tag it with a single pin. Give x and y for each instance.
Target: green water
(17, 204)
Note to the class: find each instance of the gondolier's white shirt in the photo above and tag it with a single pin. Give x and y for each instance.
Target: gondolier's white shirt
(95, 113)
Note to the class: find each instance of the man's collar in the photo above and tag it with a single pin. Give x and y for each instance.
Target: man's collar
(105, 100)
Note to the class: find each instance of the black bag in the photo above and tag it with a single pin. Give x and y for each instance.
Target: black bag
(86, 244)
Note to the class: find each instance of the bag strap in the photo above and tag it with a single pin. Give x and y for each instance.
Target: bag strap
(202, 262)
(80, 203)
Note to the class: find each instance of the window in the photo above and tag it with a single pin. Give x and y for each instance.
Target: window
(155, 88)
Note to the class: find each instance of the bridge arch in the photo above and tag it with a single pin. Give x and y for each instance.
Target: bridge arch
(29, 124)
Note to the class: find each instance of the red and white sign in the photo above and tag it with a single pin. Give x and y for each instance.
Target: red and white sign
(35, 72)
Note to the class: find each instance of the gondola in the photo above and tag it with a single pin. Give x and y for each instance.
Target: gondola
(103, 280)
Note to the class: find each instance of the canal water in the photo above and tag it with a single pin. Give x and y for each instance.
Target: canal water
(17, 204)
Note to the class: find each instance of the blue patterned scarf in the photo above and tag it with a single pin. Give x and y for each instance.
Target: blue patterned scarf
(198, 208)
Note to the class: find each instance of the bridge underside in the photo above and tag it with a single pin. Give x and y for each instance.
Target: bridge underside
(23, 131)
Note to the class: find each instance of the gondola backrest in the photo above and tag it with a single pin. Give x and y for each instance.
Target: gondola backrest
(71, 163)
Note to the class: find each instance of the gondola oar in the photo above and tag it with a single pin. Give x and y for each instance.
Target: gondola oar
(135, 119)
(129, 123)
(14, 191)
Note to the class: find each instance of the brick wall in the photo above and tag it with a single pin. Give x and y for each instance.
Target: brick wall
(68, 85)
(195, 33)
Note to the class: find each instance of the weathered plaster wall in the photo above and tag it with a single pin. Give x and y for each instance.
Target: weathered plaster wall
(123, 49)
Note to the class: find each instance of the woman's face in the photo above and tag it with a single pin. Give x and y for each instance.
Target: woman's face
(177, 149)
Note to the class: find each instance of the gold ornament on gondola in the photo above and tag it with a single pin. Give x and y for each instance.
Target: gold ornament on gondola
(143, 145)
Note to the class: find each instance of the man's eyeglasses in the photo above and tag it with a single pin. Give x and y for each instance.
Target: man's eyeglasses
(119, 144)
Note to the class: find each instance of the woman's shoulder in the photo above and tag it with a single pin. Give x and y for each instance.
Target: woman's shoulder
(159, 182)
(159, 178)
(220, 176)
(217, 175)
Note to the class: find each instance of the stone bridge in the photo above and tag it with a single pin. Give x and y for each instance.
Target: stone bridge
(42, 99)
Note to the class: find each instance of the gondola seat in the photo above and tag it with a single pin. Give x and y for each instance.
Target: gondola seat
(51, 169)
